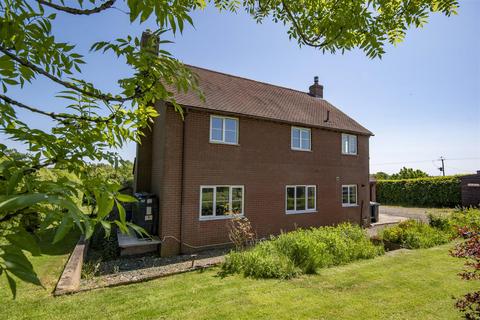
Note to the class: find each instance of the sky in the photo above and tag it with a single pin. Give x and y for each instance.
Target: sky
(421, 100)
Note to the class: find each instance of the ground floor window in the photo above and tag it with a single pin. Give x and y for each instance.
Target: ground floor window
(220, 201)
(349, 195)
(301, 198)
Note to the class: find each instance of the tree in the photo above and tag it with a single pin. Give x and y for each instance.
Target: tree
(408, 173)
(381, 175)
(93, 123)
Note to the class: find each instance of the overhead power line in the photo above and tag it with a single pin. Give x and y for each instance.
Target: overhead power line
(420, 161)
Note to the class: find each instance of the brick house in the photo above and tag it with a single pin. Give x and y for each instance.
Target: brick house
(280, 157)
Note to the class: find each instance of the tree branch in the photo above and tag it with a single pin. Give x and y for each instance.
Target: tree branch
(309, 42)
(59, 117)
(76, 11)
(28, 64)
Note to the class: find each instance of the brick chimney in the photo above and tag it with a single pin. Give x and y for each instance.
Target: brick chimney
(316, 90)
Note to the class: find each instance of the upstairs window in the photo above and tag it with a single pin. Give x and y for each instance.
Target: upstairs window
(301, 139)
(349, 144)
(301, 199)
(349, 195)
(218, 202)
(223, 130)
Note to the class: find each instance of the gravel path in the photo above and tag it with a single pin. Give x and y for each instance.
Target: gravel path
(131, 270)
(412, 213)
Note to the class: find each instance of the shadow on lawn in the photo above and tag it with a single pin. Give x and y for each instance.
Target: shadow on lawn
(47, 247)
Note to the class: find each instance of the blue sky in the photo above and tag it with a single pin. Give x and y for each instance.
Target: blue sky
(422, 100)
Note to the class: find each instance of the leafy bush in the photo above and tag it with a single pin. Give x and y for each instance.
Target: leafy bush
(302, 251)
(263, 261)
(469, 251)
(450, 224)
(423, 192)
(413, 234)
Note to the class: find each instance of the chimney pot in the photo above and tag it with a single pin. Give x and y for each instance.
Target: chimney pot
(316, 90)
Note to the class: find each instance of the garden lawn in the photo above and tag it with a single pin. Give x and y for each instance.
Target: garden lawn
(404, 285)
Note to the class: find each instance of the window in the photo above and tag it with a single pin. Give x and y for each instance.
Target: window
(218, 202)
(349, 144)
(349, 195)
(301, 139)
(223, 130)
(301, 199)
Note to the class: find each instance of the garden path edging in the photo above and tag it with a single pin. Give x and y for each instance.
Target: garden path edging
(69, 281)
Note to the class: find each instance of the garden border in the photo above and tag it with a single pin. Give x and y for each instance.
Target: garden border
(69, 281)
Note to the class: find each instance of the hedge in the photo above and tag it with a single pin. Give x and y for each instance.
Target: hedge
(422, 192)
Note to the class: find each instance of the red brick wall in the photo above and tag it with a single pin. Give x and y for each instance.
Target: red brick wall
(264, 164)
(166, 175)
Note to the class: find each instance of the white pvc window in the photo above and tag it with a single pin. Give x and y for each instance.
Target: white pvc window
(349, 143)
(217, 202)
(300, 199)
(301, 139)
(223, 130)
(349, 195)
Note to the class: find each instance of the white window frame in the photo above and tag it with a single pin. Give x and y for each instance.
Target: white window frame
(347, 136)
(295, 211)
(349, 186)
(309, 136)
(226, 216)
(223, 130)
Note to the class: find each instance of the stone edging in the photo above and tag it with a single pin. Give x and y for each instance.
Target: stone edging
(69, 281)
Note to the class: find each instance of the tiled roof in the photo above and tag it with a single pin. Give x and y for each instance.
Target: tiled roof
(232, 94)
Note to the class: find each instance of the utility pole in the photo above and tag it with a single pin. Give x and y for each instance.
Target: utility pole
(442, 169)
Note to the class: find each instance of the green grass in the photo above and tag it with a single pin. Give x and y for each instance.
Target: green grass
(405, 285)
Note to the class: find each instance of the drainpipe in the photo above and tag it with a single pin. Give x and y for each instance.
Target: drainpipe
(182, 188)
(361, 214)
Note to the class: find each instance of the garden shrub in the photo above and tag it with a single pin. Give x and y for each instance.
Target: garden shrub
(303, 251)
(263, 261)
(451, 223)
(423, 192)
(413, 234)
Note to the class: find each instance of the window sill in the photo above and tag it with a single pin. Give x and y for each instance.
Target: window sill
(225, 217)
(225, 143)
(301, 212)
(349, 154)
(303, 150)
(349, 205)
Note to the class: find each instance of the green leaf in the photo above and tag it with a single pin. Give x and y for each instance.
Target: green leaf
(17, 202)
(17, 263)
(104, 204)
(121, 213)
(24, 240)
(63, 229)
(107, 227)
(25, 275)
(14, 180)
(12, 284)
(139, 230)
(125, 198)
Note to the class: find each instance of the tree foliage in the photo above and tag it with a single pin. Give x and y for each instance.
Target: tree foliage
(404, 173)
(92, 123)
(408, 173)
(381, 175)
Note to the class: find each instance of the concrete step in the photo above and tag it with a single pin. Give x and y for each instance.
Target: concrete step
(131, 245)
